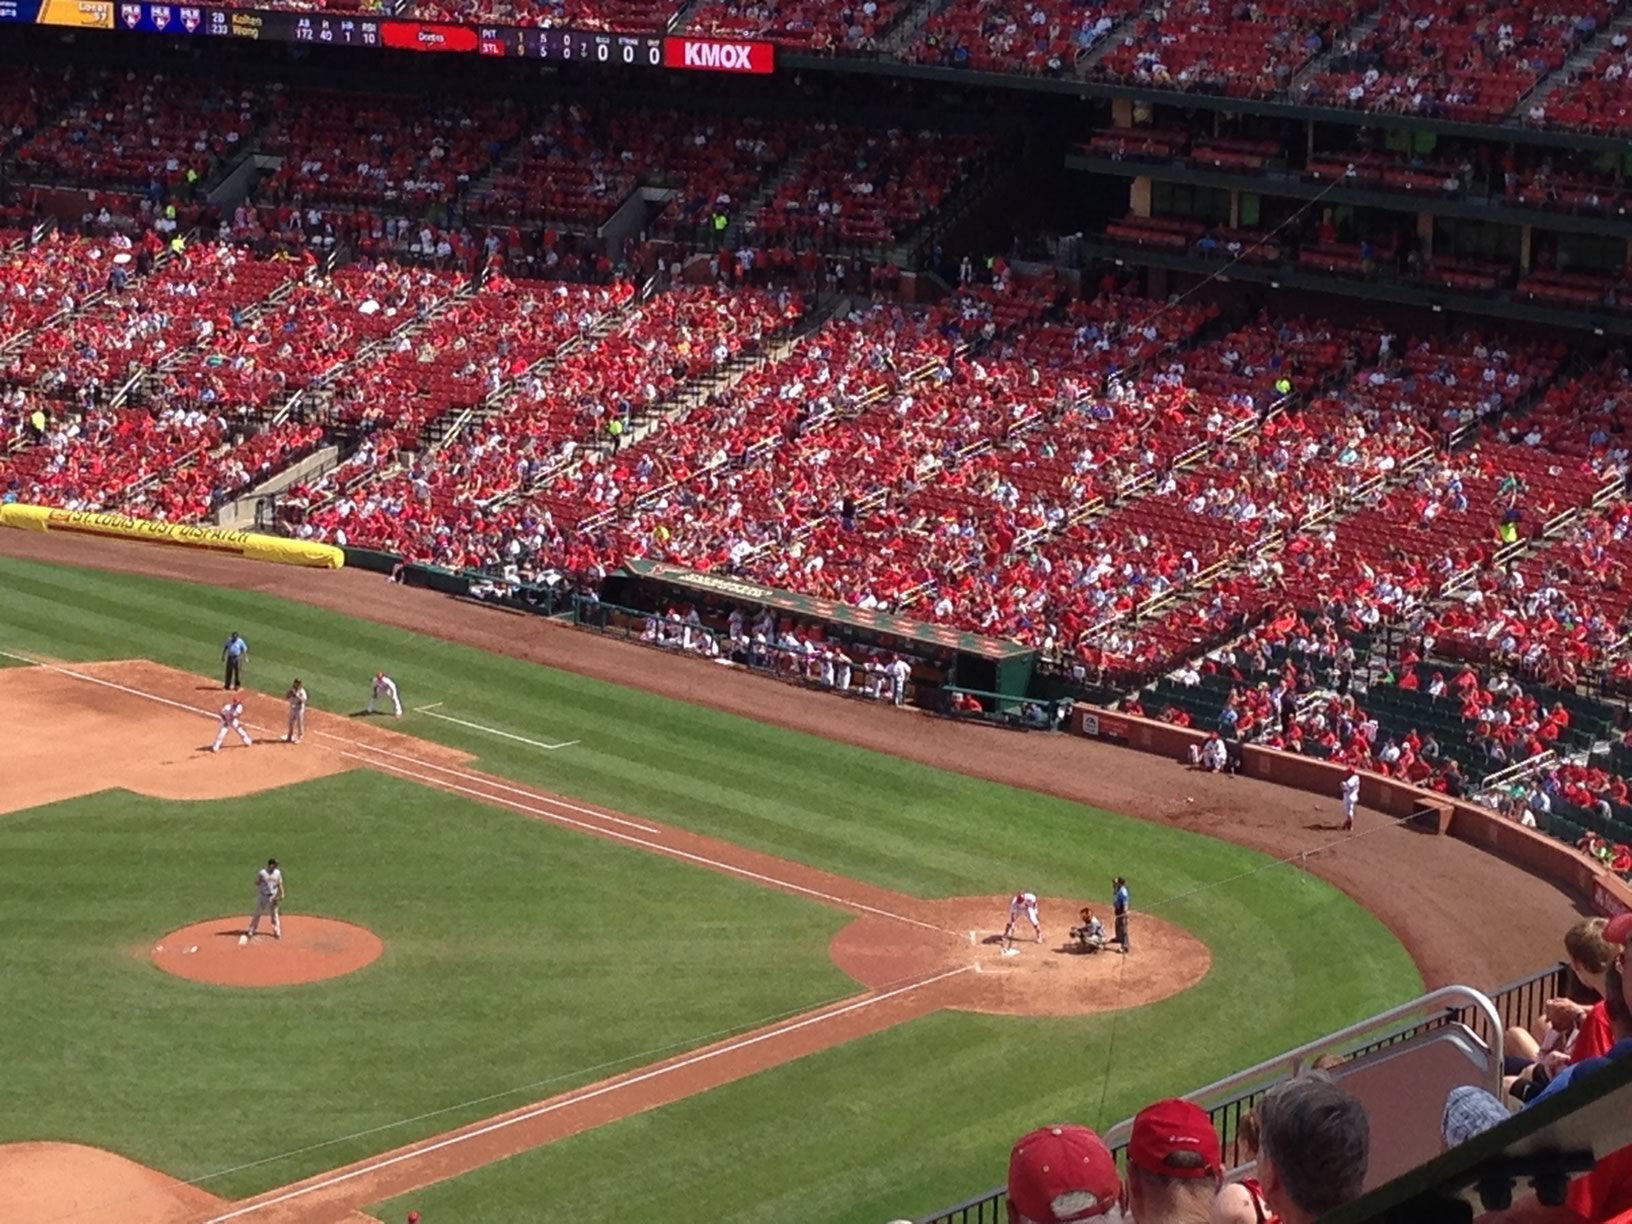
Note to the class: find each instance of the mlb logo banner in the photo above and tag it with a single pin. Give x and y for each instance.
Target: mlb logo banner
(160, 14)
(131, 15)
(719, 55)
(190, 17)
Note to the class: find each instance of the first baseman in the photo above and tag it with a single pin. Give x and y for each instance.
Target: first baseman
(297, 712)
(268, 899)
(384, 687)
(232, 715)
(1023, 903)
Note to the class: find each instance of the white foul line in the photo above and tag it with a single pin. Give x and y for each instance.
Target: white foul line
(658, 847)
(579, 1098)
(671, 851)
(431, 710)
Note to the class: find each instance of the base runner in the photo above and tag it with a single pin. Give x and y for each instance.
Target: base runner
(1023, 903)
(232, 715)
(268, 899)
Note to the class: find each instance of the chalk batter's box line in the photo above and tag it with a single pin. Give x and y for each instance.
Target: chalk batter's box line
(535, 797)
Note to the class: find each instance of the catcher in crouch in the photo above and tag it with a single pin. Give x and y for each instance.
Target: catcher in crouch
(1090, 936)
(1023, 903)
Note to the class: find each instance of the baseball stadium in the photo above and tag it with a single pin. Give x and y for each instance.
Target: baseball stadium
(906, 612)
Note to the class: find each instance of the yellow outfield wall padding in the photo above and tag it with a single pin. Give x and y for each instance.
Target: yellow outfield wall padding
(183, 535)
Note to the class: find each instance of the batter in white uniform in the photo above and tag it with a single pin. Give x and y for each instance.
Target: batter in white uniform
(268, 898)
(1024, 903)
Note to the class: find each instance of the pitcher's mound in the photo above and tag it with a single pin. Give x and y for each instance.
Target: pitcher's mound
(311, 950)
(64, 1181)
(1030, 979)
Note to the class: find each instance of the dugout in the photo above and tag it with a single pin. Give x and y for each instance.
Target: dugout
(942, 657)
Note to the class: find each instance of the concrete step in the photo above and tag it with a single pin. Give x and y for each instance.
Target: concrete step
(239, 514)
(1567, 73)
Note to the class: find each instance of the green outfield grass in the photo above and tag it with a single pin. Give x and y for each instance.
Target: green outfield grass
(887, 1126)
(517, 953)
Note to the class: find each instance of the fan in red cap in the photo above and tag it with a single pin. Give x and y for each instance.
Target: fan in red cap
(1175, 1163)
(1619, 929)
(1060, 1174)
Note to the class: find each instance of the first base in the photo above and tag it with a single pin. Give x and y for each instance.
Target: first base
(242, 940)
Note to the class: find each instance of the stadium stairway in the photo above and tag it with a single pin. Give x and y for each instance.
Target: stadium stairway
(1468, 436)
(84, 306)
(438, 435)
(909, 25)
(1318, 65)
(694, 391)
(689, 394)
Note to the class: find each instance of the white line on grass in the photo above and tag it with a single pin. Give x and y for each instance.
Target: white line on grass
(431, 711)
(494, 785)
(580, 1098)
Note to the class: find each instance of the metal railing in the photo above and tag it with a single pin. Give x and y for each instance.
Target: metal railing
(1486, 1016)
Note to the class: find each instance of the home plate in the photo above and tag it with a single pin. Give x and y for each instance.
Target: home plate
(1011, 951)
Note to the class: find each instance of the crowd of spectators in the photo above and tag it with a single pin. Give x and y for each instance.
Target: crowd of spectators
(103, 460)
(1242, 50)
(325, 322)
(628, 16)
(804, 25)
(1032, 36)
(859, 188)
(395, 153)
(1471, 63)
(1598, 100)
(143, 131)
(59, 274)
(140, 321)
(469, 352)
(1306, 1147)
(484, 500)
(576, 163)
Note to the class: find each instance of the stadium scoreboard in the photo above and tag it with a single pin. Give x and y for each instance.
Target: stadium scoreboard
(352, 29)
